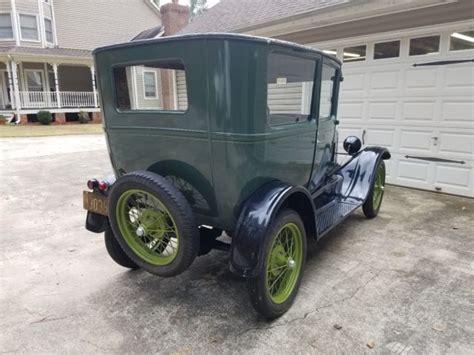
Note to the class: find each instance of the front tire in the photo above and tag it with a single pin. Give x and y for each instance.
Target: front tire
(153, 223)
(274, 289)
(372, 205)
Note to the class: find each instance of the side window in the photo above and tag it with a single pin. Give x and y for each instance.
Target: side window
(159, 86)
(328, 80)
(290, 82)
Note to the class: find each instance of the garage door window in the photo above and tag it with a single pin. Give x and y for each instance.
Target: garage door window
(424, 45)
(461, 41)
(355, 54)
(386, 50)
(140, 87)
(289, 88)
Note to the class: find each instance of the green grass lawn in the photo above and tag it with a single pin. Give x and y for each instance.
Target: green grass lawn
(51, 130)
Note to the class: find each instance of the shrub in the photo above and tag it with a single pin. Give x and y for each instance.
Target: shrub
(3, 119)
(84, 117)
(44, 117)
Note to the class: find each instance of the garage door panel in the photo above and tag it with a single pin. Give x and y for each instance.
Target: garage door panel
(421, 78)
(460, 77)
(351, 111)
(456, 143)
(384, 80)
(419, 141)
(458, 111)
(418, 111)
(353, 85)
(383, 110)
(453, 175)
(414, 171)
(381, 137)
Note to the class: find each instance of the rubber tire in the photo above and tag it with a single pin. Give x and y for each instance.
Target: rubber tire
(256, 286)
(116, 252)
(368, 206)
(177, 206)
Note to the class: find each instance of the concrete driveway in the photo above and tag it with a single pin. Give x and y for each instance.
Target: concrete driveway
(401, 283)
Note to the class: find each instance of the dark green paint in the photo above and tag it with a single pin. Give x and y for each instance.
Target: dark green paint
(222, 146)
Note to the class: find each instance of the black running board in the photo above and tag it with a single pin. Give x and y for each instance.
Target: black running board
(330, 215)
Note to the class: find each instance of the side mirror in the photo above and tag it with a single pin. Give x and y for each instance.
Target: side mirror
(352, 145)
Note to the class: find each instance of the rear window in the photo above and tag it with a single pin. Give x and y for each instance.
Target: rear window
(290, 82)
(159, 86)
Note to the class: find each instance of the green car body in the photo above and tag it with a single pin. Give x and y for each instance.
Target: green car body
(221, 149)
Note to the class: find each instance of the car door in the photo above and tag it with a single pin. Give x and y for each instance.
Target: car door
(326, 137)
(289, 144)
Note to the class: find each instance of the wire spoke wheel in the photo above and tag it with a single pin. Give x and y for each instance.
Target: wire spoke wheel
(284, 262)
(147, 227)
(379, 187)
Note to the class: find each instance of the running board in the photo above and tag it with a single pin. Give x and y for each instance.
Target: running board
(330, 215)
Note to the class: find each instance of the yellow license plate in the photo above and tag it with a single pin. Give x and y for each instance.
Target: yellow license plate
(95, 202)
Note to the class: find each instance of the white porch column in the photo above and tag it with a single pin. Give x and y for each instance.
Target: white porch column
(16, 87)
(94, 87)
(10, 86)
(56, 84)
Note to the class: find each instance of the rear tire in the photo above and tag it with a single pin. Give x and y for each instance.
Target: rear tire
(153, 223)
(274, 289)
(372, 205)
(116, 252)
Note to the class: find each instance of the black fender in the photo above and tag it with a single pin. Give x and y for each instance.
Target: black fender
(256, 215)
(96, 223)
(358, 173)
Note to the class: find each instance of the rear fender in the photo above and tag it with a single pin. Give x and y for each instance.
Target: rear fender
(358, 173)
(96, 223)
(257, 214)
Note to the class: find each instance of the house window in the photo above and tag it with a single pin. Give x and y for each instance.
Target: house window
(289, 88)
(461, 40)
(34, 80)
(149, 82)
(354, 54)
(139, 87)
(424, 45)
(48, 28)
(6, 29)
(29, 27)
(386, 50)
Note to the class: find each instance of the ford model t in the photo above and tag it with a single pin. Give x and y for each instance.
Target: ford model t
(226, 133)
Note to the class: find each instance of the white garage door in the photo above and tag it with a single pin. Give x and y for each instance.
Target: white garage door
(423, 114)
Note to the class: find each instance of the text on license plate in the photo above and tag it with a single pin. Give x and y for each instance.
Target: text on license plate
(95, 202)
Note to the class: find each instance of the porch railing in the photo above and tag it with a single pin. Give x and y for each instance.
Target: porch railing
(49, 99)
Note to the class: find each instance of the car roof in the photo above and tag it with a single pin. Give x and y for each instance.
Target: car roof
(218, 36)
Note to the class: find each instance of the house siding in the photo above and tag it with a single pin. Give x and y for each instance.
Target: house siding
(89, 24)
(181, 91)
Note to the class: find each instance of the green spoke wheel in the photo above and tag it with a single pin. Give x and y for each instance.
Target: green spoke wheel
(148, 227)
(372, 205)
(284, 263)
(273, 290)
(153, 223)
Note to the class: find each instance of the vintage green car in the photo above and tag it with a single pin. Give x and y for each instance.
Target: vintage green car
(215, 133)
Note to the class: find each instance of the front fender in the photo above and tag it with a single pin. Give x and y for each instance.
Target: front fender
(256, 215)
(358, 173)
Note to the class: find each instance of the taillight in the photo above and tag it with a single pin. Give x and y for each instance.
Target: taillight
(103, 186)
(92, 184)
